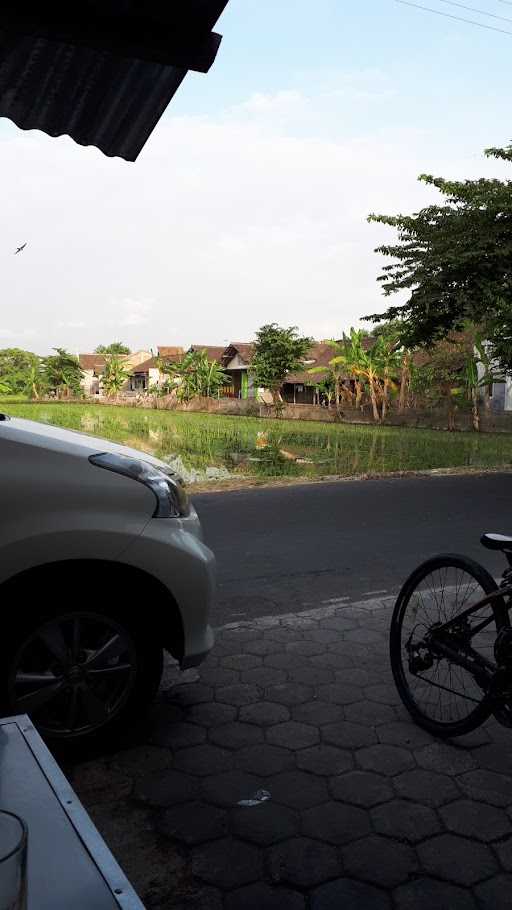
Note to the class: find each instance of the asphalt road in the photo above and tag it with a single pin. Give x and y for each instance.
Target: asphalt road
(282, 549)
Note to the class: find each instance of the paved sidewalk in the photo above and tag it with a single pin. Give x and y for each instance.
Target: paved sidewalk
(351, 806)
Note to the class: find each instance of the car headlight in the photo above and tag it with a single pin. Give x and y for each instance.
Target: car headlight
(171, 498)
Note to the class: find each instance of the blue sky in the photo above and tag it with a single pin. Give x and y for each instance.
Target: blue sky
(249, 202)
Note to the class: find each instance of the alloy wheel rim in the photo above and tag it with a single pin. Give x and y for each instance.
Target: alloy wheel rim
(73, 674)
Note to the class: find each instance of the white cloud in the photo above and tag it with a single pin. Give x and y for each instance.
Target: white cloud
(225, 222)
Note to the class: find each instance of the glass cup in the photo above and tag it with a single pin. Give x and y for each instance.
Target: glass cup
(13, 861)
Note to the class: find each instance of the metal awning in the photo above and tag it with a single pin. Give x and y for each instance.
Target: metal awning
(104, 72)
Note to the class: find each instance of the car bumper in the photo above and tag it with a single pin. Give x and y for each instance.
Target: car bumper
(173, 552)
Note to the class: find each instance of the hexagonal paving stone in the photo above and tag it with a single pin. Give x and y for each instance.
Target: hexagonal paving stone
(264, 897)
(192, 823)
(504, 852)
(311, 676)
(496, 758)
(366, 636)
(445, 759)
(401, 733)
(303, 862)
(293, 735)
(427, 894)
(241, 635)
(265, 824)
(218, 676)
(340, 693)
(297, 789)
(354, 676)
(236, 735)
(305, 648)
(338, 623)
(361, 788)
(166, 788)
(227, 863)
(190, 694)
(285, 661)
(264, 676)
(346, 894)
(334, 661)
(211, 713)
(228, 788)
(386, 695)
(324, 759)
(317, 713)
(335, 823)
(496, 894)
(427, 787)
(404, 820)
(385, 759)
(379, 861)
(178, 736)
(262, 647)
(241, 661)
(264, 759)
(203, 760)
(369, 712)
(238, 695)
(487, 786)
(202, 898)
(141, 760)
(264, 713)
(324, 636)
(478, 820)
(289, 694)
(347, 735)
(456, 859)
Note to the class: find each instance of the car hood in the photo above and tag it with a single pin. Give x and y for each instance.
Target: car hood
(72, 442)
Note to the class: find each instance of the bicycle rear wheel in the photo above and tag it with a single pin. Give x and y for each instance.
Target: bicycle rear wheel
(441, 695)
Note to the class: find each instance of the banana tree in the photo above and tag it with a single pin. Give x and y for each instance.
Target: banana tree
(479, 373)
(115, 375)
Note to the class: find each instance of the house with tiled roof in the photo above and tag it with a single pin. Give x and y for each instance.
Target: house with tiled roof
(212, 351)
(92, 366)
(236, 362)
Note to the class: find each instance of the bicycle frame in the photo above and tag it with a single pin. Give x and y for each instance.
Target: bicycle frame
(474, 662)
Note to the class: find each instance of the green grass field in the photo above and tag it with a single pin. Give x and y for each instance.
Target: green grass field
(213, 447)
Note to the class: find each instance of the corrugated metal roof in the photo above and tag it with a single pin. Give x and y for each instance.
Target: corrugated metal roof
(106, 89)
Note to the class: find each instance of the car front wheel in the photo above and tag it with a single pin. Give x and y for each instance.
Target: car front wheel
(80, 674)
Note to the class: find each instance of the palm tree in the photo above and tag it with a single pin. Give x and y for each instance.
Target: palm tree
(115, 375)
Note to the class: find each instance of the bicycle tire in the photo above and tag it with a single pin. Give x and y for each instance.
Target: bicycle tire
(484, 709)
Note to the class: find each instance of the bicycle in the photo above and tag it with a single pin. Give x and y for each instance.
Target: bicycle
(451, 642)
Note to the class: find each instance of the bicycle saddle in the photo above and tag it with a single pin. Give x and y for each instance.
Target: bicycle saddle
(497, 542)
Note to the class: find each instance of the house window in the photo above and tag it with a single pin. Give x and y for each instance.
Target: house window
(300, 388)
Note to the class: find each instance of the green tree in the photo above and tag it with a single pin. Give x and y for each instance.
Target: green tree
(15, 366)
(277, 352)
(195, 376)
(116, 347)
(62, 374)
(114, 375)
(36, 383)
(453, 261)
(5, 388)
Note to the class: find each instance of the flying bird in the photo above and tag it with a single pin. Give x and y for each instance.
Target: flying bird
(20, 248)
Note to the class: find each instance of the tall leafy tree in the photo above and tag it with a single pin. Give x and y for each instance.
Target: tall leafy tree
(454, 262)
(15, 367)
(62, 374)
(277, 352)
(116, 347)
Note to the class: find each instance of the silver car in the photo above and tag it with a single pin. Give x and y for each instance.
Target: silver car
(102, 569)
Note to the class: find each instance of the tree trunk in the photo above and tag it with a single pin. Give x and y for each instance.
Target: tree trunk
(385, 398)
(359, 393)
(373, 397)
(404, 382)
(475, 410)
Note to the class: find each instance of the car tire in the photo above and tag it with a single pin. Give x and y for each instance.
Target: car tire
(82, 675)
